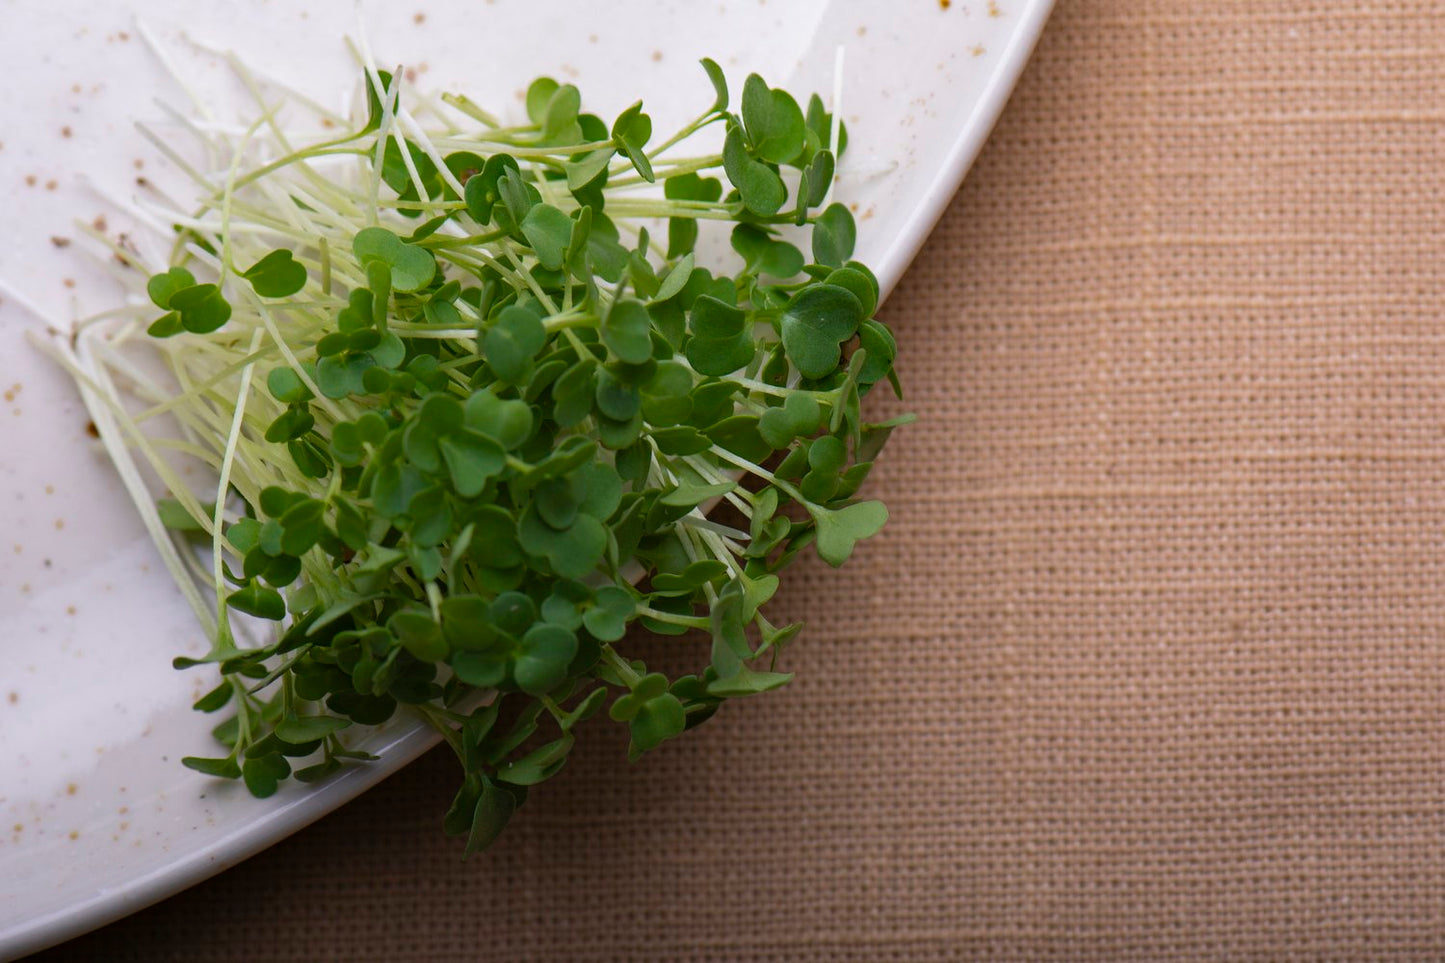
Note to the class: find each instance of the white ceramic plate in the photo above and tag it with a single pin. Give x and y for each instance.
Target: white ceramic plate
(97, 817)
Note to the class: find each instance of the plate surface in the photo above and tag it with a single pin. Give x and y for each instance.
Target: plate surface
(97, 817)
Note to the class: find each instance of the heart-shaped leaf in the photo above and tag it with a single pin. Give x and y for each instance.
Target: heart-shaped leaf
(766, 254)
(557, 501)
(508, 421)
(549, 231)
(626, 330)
(573, 552)
(715, 320)
(542, 660)
(263, 774)
(277, 275)
(863, 286)
(286, 386)
(834, 235)
(631, 132)
(774, 121)
(202, 308)
(161, 286)
(482, 191)
(419, 634)
(585, 170)
(472, 459)
(762, 190)
(839, 529)
(607, 618)
(817, 177)
(616, 399)
(412, 267)
(815, 324)
(512, 342)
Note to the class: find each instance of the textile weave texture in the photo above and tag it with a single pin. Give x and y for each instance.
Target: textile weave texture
(1148, 664)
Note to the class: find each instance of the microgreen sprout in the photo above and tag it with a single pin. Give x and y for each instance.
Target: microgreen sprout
(468, 416)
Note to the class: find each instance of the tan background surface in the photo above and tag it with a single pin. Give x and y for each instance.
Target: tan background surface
(1148, 665)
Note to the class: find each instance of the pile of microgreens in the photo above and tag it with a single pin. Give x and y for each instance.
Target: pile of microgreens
(468, 417)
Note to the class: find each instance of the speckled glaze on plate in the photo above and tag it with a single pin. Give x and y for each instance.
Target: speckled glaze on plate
(97, 817)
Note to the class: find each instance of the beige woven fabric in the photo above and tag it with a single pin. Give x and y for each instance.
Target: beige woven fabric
(1149, 664)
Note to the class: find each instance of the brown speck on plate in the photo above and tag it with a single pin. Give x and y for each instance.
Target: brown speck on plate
(65, 132)
(13, 698)
(59, 524)
(100, 223)
(418, 18)
(71, 789)
(30, 180)
(656, 56)
(91, 430)
(59, 241)
(75, 834)
(52, 184)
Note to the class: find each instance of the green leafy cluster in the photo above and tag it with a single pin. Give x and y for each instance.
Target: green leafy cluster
(496, 416)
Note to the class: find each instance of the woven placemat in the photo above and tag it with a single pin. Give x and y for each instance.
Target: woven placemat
(1147, 666)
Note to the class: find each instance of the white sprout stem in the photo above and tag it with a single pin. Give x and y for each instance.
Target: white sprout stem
(295, 363)
(223, 483)
(14, 294)
(174, 157)
(131, 207)
(428, 148)
(293, 93)
(726, 531)
(227, 263)
(177, 77)
(98, 394)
